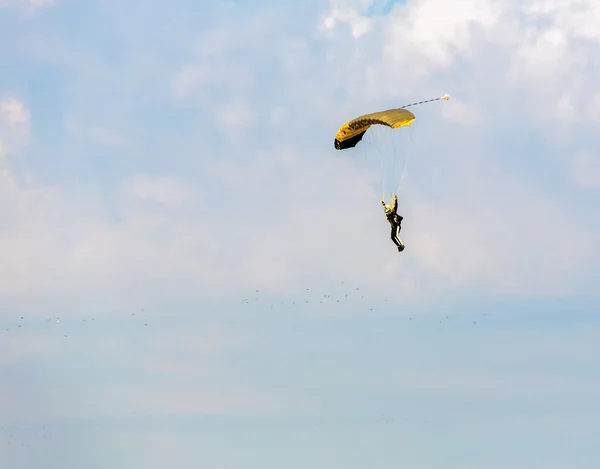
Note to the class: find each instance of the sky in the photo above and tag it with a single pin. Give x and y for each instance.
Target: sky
(192, 276)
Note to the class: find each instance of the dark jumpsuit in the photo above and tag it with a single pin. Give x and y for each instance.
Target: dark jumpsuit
(395, 222)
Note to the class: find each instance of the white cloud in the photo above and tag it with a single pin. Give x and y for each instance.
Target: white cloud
(461, 113)
(6, 3)
(542, 56)
(98, 135)
(14, 126)
(14, 112)
(111, 138)
(30, 214)
(189, 79)
(28, 4)
(585, 170)
(235, 116)
(594, 108)
(160, 190)
(538, 51)
(349, 12)
(439, 30)
(579, 18)
(459, 241)
(471, 240)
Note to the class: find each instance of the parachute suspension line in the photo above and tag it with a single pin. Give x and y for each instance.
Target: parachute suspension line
(381, 160)
(446, 97)
(405, 161)
(390, 161)
(395, 164)
(392, 149)
(376, 138)
(393, 170)
(383, 140)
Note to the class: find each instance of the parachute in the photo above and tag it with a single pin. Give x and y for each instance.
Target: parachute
(386, 133)
(352, 132)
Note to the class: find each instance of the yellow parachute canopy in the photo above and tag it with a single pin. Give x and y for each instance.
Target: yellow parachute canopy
(352, 132)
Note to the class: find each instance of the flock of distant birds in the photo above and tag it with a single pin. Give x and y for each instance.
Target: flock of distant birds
(320, 299)
(12, 436)
(324, 299)
(20, 323)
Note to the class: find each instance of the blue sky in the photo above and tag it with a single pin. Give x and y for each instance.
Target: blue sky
(193, 276)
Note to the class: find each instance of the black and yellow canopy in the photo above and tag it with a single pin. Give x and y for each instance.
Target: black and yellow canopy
(352, 132)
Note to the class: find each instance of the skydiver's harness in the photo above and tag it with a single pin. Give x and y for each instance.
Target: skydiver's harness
(394, 219)
(392, 215)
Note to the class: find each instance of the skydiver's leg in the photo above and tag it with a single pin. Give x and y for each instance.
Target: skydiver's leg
(396, 238)
(394, 235)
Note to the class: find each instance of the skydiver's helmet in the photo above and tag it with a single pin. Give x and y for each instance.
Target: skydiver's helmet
(388, 209)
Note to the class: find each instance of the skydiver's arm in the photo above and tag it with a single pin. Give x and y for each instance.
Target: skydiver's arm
(395, 203)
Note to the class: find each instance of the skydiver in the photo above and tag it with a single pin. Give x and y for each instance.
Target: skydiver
(395, 220)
